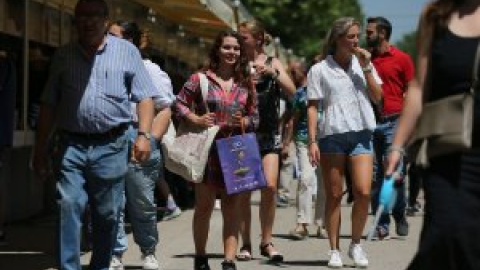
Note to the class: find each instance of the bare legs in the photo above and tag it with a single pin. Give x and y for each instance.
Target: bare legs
(362, 170)
(333, 169)
(333, 172)
(204, 202)
(267, 205)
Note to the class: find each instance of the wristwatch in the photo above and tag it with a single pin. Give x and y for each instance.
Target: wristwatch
(147, 135)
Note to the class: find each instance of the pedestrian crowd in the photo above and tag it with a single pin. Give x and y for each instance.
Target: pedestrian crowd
(345, 117)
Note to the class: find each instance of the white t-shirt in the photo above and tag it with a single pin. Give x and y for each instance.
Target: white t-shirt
(163, 86)
(342, 95)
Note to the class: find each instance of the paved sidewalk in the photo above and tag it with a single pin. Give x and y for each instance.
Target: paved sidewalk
(32, 245)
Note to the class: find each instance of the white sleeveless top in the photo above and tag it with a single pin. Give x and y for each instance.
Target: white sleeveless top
(342, 95)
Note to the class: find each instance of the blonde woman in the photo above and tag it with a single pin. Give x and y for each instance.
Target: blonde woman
(270, 79)
(343, 83)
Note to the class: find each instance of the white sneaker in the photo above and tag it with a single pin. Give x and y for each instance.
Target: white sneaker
(358, 255)
(171, 214)
(335, 259)
(116, 263)
(149, 262)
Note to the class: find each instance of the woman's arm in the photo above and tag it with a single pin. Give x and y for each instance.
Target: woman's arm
(160, 123)
(312, 112)
(413, 102)
(374, 89)
(185, 101)
(282, 78)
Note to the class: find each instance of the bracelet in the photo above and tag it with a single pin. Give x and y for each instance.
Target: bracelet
(367, 69)
(399, 149)
(310, 142)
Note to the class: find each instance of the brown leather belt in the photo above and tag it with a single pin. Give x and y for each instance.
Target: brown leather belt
(109, 134)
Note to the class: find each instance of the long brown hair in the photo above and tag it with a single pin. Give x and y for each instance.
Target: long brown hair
(240, 66)
(438, 12)
(241, 70)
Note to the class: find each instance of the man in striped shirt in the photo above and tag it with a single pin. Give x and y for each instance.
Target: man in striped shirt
(87, 100)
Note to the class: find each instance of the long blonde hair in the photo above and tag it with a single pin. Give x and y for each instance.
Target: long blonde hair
(339, 29)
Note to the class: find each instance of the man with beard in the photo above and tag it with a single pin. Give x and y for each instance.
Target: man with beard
(396, 71)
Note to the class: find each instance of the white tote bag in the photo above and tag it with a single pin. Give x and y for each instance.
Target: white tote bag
(186, 150)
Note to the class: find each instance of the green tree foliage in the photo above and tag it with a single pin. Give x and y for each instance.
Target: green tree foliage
(408, 44)
(302, 24)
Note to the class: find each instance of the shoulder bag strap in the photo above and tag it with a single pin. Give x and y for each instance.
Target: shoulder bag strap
(204, 88)
(475, 70)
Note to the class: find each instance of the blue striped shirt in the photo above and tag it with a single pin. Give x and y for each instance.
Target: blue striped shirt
(92, 95)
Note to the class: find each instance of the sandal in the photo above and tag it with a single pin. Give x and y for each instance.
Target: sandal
(245, 253)
(273, 256)
(298, 233)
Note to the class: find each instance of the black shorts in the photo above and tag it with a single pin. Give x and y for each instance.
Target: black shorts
(269, 143)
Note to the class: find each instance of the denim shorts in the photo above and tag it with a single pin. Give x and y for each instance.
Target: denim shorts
(349, 143)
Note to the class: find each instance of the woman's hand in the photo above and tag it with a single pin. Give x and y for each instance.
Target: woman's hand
(393, 160)
(263, 69)
(235, 120)
(363, 56)
(285, 152)
(205, 121)
(314, 154)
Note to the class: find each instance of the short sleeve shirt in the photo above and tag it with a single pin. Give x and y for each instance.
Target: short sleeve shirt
(396, 70)
(163, 86)
(94, 95)
(342, 95)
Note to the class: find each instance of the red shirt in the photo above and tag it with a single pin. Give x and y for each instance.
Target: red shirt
(396, 70)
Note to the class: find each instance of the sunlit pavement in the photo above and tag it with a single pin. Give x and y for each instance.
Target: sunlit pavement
(31, 245)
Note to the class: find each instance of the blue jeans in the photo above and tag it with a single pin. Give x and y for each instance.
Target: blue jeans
(140, 201)
(90, 171)
(382, 140)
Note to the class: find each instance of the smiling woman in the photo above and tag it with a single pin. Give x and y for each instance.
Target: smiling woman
(230, 103)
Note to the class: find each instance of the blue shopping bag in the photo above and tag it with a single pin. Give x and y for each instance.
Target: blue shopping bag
(241, 163)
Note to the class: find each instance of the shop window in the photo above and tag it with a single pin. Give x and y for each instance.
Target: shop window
(38, 63)
(2, 15)
(11, 106)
